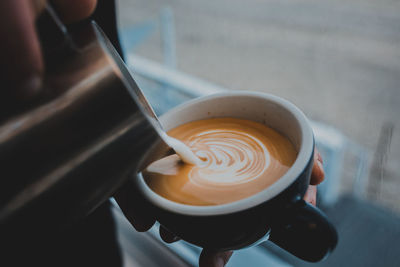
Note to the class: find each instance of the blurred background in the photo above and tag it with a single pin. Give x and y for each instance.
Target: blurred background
(338, 61)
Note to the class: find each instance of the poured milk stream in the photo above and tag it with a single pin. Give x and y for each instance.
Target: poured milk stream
(183, 151)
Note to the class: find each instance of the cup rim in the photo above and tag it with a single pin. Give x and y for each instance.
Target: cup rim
(303, 157)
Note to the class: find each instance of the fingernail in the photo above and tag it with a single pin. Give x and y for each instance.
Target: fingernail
(319, 158)
(320, 166)
(322, 172)
(30, 86)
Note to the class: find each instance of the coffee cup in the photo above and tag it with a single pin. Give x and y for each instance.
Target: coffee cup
(277, 213)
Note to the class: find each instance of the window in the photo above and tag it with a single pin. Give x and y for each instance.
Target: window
(338, 61)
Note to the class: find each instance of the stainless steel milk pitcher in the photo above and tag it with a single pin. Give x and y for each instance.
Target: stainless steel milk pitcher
(87, 132)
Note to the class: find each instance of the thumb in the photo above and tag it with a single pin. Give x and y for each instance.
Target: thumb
(22, 64)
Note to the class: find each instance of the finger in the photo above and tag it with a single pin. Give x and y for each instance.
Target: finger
(317, 174)
(21, 59)
(311, 195)
(135, 209)
(74, 10)
(167, 236)
(210, 258)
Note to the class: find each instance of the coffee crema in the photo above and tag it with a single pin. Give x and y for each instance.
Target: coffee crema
(239, 158)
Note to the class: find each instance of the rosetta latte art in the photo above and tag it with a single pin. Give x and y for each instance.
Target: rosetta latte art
(229, 157)
(239, 158)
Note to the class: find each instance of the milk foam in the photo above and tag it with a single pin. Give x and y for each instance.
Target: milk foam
(230, 157)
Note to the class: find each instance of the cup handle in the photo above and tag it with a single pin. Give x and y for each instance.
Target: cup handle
(305, 232)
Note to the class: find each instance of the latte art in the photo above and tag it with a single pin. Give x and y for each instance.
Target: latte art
(238, 159)
(229, 157)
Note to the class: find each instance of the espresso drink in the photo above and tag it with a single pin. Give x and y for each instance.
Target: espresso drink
(238, 158)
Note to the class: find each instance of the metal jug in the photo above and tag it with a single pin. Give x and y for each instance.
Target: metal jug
(66, 154)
